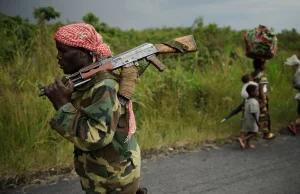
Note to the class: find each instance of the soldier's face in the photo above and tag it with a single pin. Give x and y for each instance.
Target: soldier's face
(70, 59)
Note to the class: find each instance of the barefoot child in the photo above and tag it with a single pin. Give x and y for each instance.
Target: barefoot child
(250, 124)
(247, 80)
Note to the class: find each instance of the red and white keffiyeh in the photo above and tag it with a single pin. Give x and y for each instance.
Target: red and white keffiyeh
(85, 36)
(132, 124)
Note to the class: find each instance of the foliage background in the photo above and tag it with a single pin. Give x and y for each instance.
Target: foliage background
(182, 105)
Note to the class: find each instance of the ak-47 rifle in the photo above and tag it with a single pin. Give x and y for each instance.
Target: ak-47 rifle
(131, 57)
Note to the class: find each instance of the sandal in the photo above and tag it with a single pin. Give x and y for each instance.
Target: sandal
(269, 136)
(251, 147)
(292, 128)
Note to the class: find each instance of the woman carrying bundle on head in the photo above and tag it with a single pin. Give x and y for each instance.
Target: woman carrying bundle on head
(261, 44)
(261, 79)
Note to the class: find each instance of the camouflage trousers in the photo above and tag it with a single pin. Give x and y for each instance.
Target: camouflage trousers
(127, 189)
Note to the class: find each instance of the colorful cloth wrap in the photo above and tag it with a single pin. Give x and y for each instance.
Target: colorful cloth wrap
(85, 36)
(264, 116)
(260, 43)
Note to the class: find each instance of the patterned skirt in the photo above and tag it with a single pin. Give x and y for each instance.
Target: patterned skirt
(264, 118)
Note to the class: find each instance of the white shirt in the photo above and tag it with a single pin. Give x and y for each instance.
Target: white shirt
(249, 123)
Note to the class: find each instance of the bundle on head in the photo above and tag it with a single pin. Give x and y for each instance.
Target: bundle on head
(261, 43)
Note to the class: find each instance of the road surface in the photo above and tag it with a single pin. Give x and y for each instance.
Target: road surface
(272, 168)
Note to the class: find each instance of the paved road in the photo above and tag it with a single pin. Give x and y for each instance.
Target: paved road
(272, 168)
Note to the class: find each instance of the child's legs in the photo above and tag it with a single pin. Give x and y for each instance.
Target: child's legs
(251, 135)
(243, 134)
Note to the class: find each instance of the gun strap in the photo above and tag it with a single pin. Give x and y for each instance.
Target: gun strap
(177, 45)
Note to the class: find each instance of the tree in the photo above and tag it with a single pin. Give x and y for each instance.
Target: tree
(17, 36)
(44, 14)
(90, 18)
(198, 23)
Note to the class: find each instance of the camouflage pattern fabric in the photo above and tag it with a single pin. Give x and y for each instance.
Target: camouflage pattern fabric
(260, 43)
(97, 125)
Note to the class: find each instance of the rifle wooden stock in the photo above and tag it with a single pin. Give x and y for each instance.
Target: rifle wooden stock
(189, 41)
(90, 73)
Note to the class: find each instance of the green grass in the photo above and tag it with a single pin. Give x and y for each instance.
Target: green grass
(183, 104)
(27, 142)
(190, 105)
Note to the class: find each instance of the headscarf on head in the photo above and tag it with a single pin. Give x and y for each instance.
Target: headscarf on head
(85, 36)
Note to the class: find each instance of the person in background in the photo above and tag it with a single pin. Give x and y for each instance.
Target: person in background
(250, 123)
(295, 62)
(247, 80)
(261, 79)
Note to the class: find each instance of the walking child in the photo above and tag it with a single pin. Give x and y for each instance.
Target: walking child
(250, 124)
(247, 80)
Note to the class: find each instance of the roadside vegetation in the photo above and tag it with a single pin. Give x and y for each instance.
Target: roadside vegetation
(184, 104)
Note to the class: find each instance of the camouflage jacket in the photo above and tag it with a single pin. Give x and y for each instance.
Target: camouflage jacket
(97, 125)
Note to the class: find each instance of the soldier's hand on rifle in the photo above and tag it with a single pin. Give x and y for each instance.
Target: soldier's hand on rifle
(58, 93)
